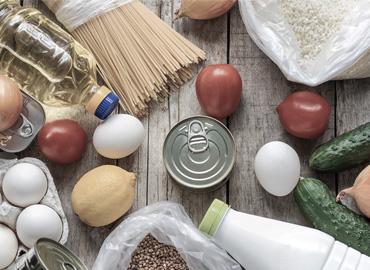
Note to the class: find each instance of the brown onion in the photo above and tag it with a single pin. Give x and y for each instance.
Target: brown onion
(62, 141)
(204, 9)
(219, 89)
(360, 192)
(11, 103)
(304, 114)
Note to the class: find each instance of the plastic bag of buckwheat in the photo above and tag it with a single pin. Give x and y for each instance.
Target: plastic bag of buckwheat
(164, 231)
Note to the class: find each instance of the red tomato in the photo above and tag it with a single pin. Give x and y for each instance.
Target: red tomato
(219, 88)
(62, 141)
(304, 114)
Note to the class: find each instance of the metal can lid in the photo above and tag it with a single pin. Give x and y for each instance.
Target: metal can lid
(199, 152)
(50, 255)
(21, 135)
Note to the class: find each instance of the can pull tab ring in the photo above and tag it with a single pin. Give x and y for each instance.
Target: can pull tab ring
(197, 137)
(26, 130)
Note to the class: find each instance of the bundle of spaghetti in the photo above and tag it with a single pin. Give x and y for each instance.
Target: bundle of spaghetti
(138, 54)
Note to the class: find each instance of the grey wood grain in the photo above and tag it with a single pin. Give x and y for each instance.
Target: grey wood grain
(85, 241)
(211, 36)
(153, 184)
(353, 107)
(256, 123)
(158, 126)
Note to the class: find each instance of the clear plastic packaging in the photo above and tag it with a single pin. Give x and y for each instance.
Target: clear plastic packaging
(345, 55)
(169, 224)
(74, 13)
(48, 63)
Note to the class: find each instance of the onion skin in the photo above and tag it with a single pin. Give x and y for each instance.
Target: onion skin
(11, 103)
(62, 141)
(360, 192)
(304, 114)
(203, 9)
(219, 89)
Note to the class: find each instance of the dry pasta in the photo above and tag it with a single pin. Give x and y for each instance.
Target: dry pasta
(139, 55)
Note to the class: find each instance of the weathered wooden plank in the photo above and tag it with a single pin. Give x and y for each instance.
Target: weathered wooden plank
(212, 37)
(158, 127)
(138, 163)
(256, 123)
(353, 106)
(85, 241)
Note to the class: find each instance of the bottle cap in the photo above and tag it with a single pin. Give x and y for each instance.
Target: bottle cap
(103, 103)
(213, 218)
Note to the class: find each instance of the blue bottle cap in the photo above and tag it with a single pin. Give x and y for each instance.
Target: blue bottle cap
(107, 106)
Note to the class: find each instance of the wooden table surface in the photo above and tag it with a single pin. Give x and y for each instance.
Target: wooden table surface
(255, 123)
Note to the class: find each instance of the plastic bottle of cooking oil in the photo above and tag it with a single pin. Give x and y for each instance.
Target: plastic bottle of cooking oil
(48, 63)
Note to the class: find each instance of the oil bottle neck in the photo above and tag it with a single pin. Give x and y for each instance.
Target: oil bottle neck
(101, 101)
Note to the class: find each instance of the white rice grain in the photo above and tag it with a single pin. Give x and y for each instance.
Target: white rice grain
(315, 21)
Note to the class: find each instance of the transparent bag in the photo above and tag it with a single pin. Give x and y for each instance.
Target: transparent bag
(169, 224)
(344, 55)
(74, 13)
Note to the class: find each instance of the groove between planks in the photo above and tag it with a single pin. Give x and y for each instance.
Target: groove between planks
(255, 123)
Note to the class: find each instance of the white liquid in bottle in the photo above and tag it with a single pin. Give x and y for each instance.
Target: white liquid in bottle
(259, 243)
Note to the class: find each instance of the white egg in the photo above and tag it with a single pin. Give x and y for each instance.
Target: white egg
(118, 136)
(36, 222)
(24, 184)
(8, 246)
(277, 167)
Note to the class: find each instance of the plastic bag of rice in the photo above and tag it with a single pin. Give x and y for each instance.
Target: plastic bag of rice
(312, 41)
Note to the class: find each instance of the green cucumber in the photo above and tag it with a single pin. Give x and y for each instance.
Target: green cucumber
(343, 152)
(319, 207)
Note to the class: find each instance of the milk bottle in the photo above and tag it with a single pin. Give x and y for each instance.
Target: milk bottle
(259, 243)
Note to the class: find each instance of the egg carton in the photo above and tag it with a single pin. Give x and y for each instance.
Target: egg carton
(9, 213)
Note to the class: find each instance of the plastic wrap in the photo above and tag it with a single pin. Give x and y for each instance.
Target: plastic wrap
(345, 55)
(74, 13)
(169, 224)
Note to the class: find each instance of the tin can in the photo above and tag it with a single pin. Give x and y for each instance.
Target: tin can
(21, 135)
(199, 153)
(50, 255)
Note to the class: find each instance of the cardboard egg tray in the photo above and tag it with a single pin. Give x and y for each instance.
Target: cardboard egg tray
(9, 213)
